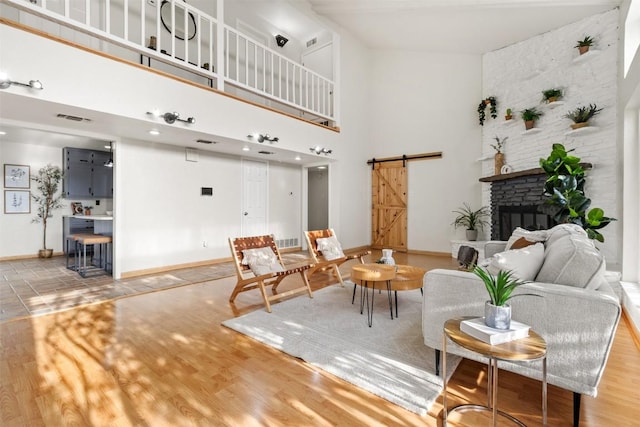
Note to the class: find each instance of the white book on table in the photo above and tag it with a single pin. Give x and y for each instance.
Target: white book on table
(477, 329)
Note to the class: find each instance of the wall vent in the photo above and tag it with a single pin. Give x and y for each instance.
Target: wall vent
(312, 42)
(73, 118)
(287, 243)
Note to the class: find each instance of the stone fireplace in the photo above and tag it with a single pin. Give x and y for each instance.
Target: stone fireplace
(515, 201)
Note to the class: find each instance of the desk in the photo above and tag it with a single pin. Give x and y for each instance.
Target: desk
(526, 349)
(365, 274)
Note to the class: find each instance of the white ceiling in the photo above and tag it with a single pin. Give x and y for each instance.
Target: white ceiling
(464, 26)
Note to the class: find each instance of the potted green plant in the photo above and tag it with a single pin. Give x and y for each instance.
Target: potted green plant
(551, 95)
(497, 313)
(491, 101)
(47, 201)
(584, 45)
(472, 220)
(564, 189)
(508, 114)
(581, 115)
(530, 116)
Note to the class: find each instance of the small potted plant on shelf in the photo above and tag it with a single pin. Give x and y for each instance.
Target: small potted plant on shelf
(497, 313)
(551, 95)
(472, 220)
(530, 116)
(508, 114)
(491, 101)
(582, 115)
(47, 181)
(584, 45)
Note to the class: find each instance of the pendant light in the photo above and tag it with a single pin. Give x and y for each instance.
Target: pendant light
(109, 163)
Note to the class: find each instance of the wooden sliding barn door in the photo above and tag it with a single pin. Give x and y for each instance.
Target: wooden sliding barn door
(389, 210)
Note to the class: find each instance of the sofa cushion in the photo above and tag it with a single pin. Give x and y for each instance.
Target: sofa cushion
(572, 259)
(562, 230)
(524, 263)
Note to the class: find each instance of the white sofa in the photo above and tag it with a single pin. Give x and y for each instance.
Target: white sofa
(577, 314)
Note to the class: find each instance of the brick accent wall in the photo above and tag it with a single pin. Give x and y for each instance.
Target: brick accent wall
(517, 74)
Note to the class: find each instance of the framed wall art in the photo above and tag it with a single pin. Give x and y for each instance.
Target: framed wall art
(16, 176)
(17, 201)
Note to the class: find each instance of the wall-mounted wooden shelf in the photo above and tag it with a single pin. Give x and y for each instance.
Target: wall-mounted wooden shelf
(527, 172)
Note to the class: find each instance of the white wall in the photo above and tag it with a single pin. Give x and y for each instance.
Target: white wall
(18, 236)
(420, 103)
(160, 218)
(517, 75)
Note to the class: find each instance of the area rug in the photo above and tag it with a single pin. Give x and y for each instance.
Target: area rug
(388, 359)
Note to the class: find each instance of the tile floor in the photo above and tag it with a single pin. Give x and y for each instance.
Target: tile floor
(38, 286)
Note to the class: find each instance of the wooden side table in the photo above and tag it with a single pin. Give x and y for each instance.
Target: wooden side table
(526, 349)
(365, 274)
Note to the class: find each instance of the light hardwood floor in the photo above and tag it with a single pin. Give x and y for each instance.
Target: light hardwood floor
(163, 359)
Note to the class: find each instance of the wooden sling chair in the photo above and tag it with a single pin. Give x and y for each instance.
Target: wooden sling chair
(243, 254)
(321, 263)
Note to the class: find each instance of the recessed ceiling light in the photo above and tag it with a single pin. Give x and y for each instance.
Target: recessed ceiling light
(322, 167)
(298, 158)
(154, 132)
(2, 132)
(245, 149)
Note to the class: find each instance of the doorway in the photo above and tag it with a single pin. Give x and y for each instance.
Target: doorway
(254, 197)
(318, 197)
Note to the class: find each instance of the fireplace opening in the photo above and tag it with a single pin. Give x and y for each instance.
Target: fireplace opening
(524, 216)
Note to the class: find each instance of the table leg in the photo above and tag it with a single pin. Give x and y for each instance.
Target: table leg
(389, 294)
(494, 392)
(544, 391)
(370, 312)
(444, 380)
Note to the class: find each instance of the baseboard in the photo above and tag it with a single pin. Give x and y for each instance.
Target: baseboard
(166, 268)
(430, 253)
(20, 257)
(633, 329)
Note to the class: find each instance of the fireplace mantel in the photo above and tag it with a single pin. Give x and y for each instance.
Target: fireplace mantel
(527, 172)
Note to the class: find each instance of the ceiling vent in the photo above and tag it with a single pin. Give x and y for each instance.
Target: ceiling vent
(266, 152)
(312, 42)
(73, 118)
(205, 141)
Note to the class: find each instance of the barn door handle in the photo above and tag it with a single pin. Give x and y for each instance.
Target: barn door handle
(246, 213)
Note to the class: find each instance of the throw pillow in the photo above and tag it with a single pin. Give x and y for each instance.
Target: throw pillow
(261, 261)
(523, 263)
(573, 260)
(330, 248)
(532, 236)
(522, 243)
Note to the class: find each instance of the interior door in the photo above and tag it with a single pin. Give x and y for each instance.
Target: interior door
(389, 206)
(254, 198)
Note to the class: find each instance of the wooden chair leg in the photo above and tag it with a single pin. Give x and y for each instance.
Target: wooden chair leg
(306, 283)
(336, 271)
(265, 297)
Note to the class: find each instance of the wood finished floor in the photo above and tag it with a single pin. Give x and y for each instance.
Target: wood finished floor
(163, 359)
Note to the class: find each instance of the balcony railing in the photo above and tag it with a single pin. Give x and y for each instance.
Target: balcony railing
(187, 39)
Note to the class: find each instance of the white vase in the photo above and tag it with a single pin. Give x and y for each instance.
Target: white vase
(472, 235)
(497, 316)
(387, 258)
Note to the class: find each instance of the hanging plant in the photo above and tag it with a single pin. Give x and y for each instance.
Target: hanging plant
(491, 101)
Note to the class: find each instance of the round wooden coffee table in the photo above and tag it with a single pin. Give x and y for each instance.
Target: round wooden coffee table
(368, 276)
